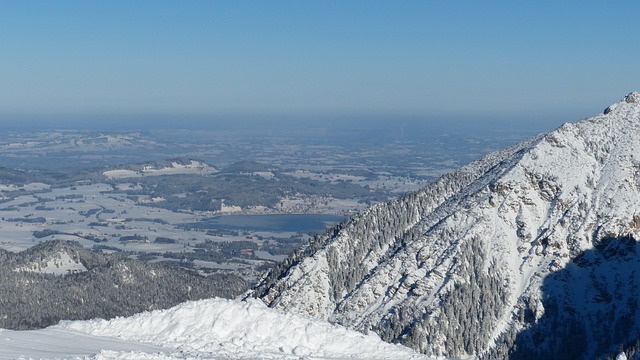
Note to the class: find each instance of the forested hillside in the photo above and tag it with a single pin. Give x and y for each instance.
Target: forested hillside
(35, 294)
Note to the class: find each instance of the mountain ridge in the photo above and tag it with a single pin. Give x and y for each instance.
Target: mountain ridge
(452, 268)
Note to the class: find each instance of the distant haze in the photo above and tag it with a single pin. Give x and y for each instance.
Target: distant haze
(399, 125)
(268, 60)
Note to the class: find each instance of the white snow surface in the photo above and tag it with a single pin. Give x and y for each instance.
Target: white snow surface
(205, 329)
(194, 167)
(57, 264)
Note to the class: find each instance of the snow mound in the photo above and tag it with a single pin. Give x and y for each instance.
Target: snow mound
(227, 329)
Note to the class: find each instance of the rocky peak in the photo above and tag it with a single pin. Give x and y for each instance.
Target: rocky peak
(630, 98)
(633, 97)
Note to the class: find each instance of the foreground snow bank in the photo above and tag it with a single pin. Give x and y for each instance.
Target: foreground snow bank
(227, 329)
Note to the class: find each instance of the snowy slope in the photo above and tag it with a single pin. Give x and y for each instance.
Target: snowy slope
(60, 263)
(206, 329)
(459, 267)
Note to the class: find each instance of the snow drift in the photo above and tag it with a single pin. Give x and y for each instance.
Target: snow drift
(212, 329)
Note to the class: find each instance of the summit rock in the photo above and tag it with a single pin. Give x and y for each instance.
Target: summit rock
(631, 98)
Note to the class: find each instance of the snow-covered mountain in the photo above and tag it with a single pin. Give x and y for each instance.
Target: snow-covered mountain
(205, 329)
(529, 252)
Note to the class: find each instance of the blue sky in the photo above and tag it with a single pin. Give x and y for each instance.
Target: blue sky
(418, 58)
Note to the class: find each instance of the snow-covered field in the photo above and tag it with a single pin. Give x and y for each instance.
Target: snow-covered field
(205, 329)
(193, 168)
(92, 211)
(386, 181)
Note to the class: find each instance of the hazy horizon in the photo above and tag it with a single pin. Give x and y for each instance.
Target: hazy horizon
(528, 62)
(531, 123)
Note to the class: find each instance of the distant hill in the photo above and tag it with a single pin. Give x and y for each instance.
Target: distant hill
(58, 280)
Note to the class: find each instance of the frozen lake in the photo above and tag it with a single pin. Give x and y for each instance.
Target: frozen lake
(303, 223)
